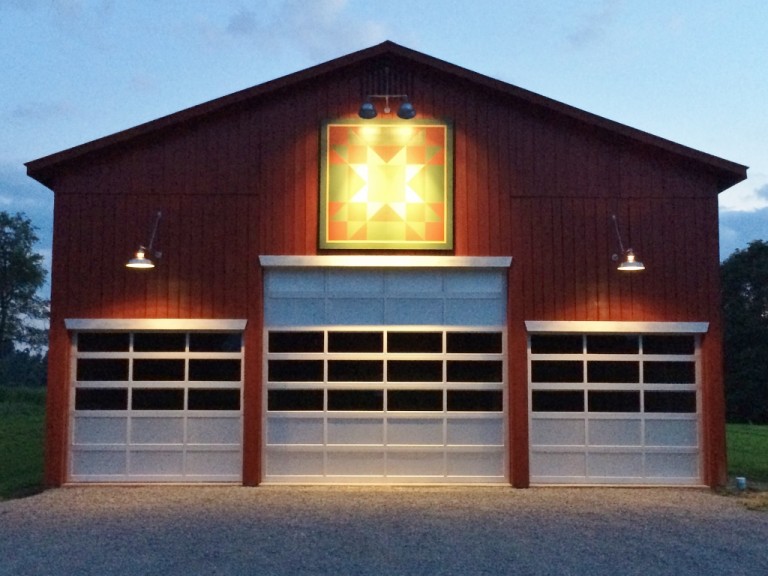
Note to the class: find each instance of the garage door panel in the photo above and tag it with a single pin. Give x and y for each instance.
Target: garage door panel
(102, 462)
(295, 464)
(474, 311)
(633, 402)
(295, 312)
(671, 433)
(558, 432)
(178, 390)
(398, 392)
(414, 311)
(213, 430)
(355, 431)
(615, 465)
(156, 463)
(672, 465)
(475, 465)
(615, 432)
(418, 464)
(291, 431)
(412, 432)
(211, 463)
(361, 311)
(100, 430)
(157, 430)
(366, 463)
(550, 464)
(475, 431)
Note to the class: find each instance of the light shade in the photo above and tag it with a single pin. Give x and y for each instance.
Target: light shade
(406, 111)
(367, 110)
(630, 263)
(140, 260)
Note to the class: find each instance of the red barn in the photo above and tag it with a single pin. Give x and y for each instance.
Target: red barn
(387, 269)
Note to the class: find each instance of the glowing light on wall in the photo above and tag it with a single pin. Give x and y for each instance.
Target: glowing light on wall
(387, 185)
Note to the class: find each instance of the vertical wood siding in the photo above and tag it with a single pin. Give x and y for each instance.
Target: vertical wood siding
(244, 182)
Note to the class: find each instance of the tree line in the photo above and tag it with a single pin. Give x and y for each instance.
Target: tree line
(23, 312)
(24, 316)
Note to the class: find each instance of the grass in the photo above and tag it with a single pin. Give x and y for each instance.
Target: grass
(748, 451)
(22, 412)
(748, 457)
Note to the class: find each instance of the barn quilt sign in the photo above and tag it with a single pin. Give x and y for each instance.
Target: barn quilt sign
(386, 185)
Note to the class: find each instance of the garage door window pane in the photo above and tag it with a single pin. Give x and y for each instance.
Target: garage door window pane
(557, 371)
(415, 342)
(355, 342)
(557, 401)
(418, 400)
(682, 345)
(366, 400)
(214, 399)
(103, 341)
(157, 399)
(355, 370)
(613, 401)
(672, 402)
(294, 400)
(474, 342)
(669, 372)
(89, 370)
(613, 344)
(475, 401)
(414, 371)
(475, 371)
(215, 342)
(556, 344)
(212, 370)
(296, 341)
(613, 372)
(295, 370)
(159, 341)
(165, 370)
(101, 399)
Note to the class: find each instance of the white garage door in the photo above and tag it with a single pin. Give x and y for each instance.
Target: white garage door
(385, 376)
(614, 408)
(156, 406)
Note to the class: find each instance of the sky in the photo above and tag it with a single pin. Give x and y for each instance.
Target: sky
(692, 71)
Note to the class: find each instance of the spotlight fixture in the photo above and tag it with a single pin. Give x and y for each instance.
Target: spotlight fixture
(629, 261)
(368, 111)
(140, 260)
(405, 111)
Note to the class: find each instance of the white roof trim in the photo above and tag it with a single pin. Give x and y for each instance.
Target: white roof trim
(385, 261)
(577, 327)
(206, 324)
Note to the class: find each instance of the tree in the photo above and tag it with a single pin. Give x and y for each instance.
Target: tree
(745, 312)
(22, 311)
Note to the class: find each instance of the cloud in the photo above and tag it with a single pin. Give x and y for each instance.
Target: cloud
(738, 229)
(594, 26)
(19, 193)
(39, 111)
(747, 196)
(243, 23)
(318, 30)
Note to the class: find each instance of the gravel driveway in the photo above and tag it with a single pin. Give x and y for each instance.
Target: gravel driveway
(394, 531)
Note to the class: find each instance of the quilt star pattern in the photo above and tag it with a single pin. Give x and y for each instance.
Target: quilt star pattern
(386, 185)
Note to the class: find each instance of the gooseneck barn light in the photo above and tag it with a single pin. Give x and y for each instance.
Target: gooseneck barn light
(140, 260)
(629, 261)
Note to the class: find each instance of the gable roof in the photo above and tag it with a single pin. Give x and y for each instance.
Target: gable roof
(44, 169)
